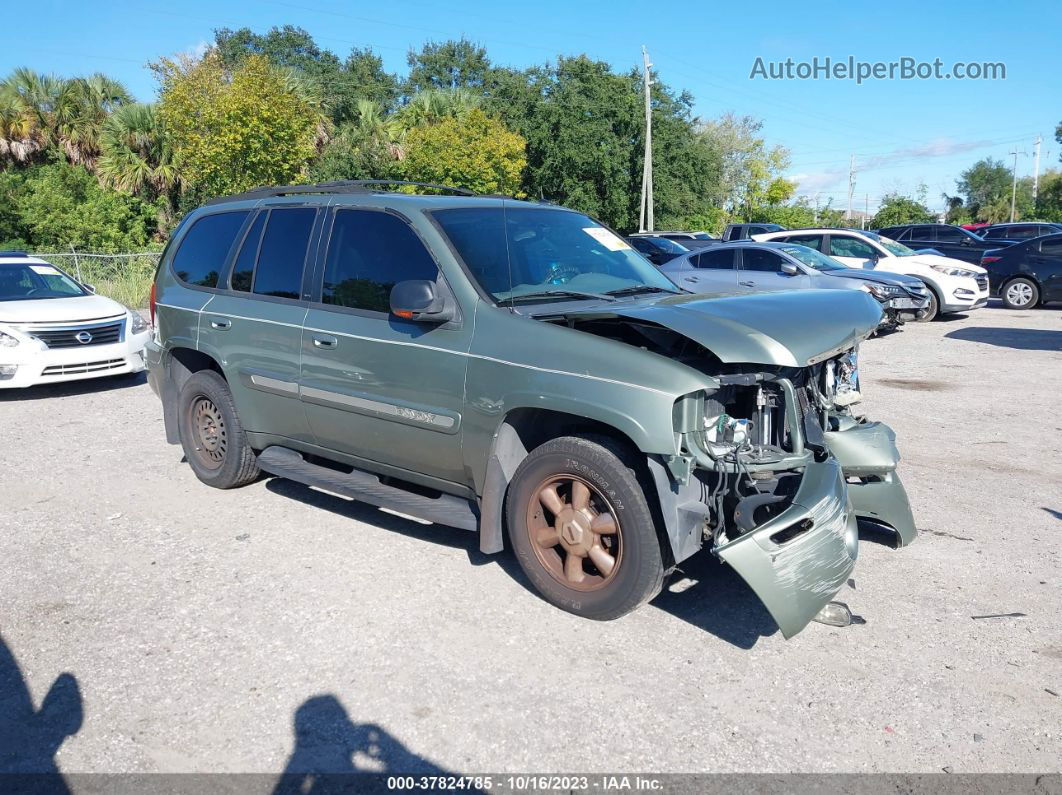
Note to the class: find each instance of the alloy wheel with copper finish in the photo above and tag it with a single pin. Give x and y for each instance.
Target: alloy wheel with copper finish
(209, 434)
(574, 532)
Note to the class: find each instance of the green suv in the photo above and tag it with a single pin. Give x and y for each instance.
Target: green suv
(516, 369)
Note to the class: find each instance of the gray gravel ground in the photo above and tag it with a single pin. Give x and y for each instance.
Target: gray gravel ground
(203, 626)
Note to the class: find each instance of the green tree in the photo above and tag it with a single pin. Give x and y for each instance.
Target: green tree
(234, 131)
(749, 167)
(984, 186)
(1049, 198)
(340, 83)
(447, 65)
(62, 205)
(475, 152)
(368, 148)
(897, 209)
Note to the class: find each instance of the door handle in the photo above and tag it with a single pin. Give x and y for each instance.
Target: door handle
(220, 323)
(324, 341)
(692, 278)
(747, 284)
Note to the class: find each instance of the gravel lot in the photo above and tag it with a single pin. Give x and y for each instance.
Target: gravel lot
(275, 625)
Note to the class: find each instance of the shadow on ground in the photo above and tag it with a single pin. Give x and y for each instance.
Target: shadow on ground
(30, 738)
(89, 386)
(1021, 339)
(719, 602)
(334, 754)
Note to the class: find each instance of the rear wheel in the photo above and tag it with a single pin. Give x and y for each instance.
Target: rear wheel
(582, 530)
(1020, 293)
(213, 439)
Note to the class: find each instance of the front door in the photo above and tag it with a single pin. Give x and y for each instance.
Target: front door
(375, 386)
(852, 251)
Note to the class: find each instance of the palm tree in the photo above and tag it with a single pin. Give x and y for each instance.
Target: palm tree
(434, 104)
(136, 156)
(95, 98)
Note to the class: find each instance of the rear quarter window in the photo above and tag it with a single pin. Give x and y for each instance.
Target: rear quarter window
(204, 249)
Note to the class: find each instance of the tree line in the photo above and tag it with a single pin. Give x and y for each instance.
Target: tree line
(83, 164)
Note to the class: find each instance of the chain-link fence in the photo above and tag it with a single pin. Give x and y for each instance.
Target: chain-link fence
(124, 277)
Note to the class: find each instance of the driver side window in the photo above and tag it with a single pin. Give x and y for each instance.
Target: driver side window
(850, 247)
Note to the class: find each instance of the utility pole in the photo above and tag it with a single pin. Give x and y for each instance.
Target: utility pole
(851, 186)
(645, 217)
(1014, 182)
(1036, 169)
(866, 210)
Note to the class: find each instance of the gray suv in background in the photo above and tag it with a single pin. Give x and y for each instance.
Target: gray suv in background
(756, 267)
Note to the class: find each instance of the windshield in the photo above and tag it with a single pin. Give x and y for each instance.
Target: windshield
(813, 259)
(702, 236)
(890, 245)
(669, 245)
(552, 254)
(29, 281)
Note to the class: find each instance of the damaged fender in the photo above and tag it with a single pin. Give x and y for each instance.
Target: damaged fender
(868, 456)
(797, 561)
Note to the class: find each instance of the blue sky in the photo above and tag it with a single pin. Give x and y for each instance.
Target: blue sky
(903, 133)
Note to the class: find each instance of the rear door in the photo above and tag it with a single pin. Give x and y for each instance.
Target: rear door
(712, 271)
(1047, 265)
(255, 326)
(761, 269)
(386, 390)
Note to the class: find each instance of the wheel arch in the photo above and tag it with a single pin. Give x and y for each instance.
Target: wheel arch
(517, 434)
(179, 365)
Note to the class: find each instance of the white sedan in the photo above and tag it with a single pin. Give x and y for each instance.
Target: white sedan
(954, 285)
(54, 329)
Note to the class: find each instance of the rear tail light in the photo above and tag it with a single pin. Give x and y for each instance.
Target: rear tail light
(989, 260)
(151, 303)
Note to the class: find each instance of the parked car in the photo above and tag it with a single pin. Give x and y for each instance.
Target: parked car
(657, 250)
(1026, 274)
(950, 241)
(975, 228)
(53, 329)
(954, 286)
(745, 231)
(690, 240)
(1002, 234)
(753, 267)
(486, 363)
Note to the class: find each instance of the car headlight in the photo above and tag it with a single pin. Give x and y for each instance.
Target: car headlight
(7, 341)
(951, 270)
(137, 324)
(874, 289)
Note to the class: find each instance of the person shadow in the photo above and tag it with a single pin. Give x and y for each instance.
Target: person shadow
(335, 755)
(30, 738)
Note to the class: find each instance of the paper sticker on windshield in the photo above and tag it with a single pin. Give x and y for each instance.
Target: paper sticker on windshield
(606, 238)
(44, 270)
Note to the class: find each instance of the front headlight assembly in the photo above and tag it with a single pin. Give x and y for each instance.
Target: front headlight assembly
(137, 324)
(951, 270)
(7, 340)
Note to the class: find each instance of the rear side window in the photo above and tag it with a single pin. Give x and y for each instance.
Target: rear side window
(283, 252)
(811, 241)
(369, 252)
(203, 250)
(1052, 246)
(243, 269)
(721, 260)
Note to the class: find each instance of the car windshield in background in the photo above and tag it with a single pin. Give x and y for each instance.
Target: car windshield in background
(545, 254)
(670, 246)
(702, 236)
(890, 245)
(813, 259)
(28, 281)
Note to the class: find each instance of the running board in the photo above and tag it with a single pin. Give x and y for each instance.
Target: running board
(366, 487)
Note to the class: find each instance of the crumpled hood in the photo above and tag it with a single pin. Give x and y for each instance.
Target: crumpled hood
(59, 310)
(788, 329)
(878, 277)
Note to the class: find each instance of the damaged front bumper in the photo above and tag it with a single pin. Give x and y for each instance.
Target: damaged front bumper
(796, 561)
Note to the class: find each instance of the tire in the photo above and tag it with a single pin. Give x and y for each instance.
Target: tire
(213, 439)
(1020, 293)
(933, 310)
(590, 479)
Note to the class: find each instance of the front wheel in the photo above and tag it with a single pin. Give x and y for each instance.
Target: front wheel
(213, 439)
(933, 309)
(1020, 293)
(582, 530)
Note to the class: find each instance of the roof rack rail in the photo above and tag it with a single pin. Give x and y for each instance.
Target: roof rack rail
(339, 186)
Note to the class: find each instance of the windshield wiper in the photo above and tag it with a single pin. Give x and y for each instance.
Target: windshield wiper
(561, 293)
(641, 288)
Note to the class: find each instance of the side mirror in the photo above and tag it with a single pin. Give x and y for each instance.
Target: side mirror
(417, 299)
(789, 269)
